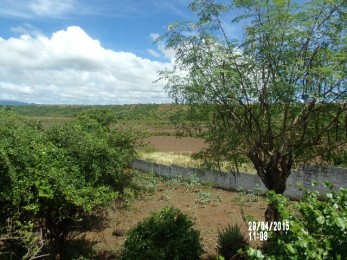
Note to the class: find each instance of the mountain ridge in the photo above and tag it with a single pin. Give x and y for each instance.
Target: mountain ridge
(14, 103)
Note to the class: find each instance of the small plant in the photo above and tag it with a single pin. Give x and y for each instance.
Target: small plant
(204, 197)
(192, 182)
(257, 190)
(218, 198)
(230, 241)
(167, 234)
(174, 182)
(147, 183)
(248, 195)
(167, 196)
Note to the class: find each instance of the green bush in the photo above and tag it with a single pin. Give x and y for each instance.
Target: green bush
(318, 231)
(230, 240)
(167, 234)
(105, 117)
(52, 179)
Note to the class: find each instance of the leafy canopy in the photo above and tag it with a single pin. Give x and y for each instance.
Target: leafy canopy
(317, 231)
(277, 96)
(52, 179)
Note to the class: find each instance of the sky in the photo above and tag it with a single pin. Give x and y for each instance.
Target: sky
(85, 51)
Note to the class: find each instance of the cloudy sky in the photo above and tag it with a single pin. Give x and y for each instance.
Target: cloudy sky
(85, 51)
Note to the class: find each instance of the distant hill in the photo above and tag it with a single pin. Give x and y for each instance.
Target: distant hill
(143, 113)
(14, 103)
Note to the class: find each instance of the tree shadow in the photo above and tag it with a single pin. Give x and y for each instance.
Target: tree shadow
(84, 249)
(80, 245)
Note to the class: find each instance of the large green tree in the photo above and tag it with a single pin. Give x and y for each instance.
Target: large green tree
(276, 96)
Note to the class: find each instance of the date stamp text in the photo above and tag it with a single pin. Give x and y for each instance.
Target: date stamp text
(258, 230)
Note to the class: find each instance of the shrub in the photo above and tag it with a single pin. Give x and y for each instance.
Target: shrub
(105, 117)
(319, 232)
(167, 234)
(230, 240)
(52, 179)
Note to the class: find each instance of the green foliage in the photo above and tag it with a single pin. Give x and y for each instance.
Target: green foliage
(149, 112)
(248, 195)
(19, 239)
(341, 159)
(204, 197)
(319, 232)
(230, 241)
(276, 97)
(145, 182)
(190, 182)
(101, 154)
(167, 234)
(139, 116)
(54, 178)
(104, 117)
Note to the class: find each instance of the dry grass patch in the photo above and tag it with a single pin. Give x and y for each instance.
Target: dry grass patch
(185, 160)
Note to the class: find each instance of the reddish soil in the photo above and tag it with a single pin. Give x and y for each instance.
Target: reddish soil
(209, 216)
(177, 144)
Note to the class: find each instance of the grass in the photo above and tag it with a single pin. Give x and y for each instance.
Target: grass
(185, 160)
(180, 159)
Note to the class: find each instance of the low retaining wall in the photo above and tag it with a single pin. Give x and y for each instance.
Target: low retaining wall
(230, 181)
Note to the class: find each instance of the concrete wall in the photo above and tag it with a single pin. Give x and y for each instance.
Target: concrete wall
(230, 181)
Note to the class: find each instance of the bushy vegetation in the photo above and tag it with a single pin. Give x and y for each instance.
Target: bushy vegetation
(155, 117)
(129, 112)
(318, 231)
(104, 117)
(52, 179)
(167, 234)
(230, 241)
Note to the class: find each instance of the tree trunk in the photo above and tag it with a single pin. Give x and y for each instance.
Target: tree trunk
(58, 233)
(60, 239)
(271, 213)
(275, 179)
(274, 175)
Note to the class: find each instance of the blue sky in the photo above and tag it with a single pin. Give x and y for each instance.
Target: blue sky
(85, 51)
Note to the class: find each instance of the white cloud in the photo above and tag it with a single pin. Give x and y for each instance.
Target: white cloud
(162, 52)
(154, 36)
(154, 53)
(26, 28)
(51, 8)
(27, 9)
(71, 67)
(71, 8)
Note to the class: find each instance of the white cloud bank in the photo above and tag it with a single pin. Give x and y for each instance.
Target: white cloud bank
(72, 68)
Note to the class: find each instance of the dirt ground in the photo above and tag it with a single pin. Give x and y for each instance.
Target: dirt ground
(222, 208)
(176, 144)
(215, 212)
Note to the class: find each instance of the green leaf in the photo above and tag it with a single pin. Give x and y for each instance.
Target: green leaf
(320, 220)
(341, 222)
(290, 248)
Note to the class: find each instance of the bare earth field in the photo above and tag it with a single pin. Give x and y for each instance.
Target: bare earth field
(211, 209)
(176, 144)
